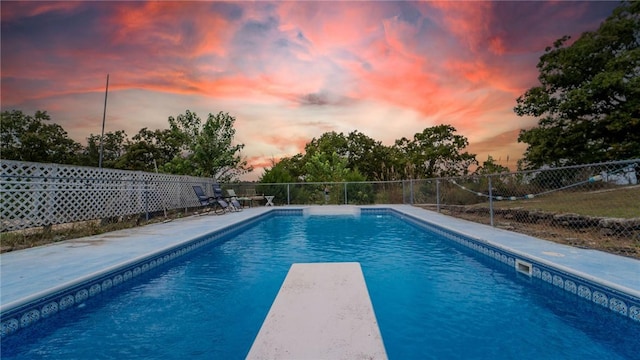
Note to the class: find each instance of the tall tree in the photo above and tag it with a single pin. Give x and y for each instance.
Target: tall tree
(436, 151)
(328, 143)
(326, 167)
(216, 153)
(114, 145)
(588, 101)
(206, 149)
(366, 155)
(362, 153)
(490, 166)
(285, 170)
(149, 150)
(185, 128)
(29, 138)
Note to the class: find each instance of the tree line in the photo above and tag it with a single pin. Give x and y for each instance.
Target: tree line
(192, 147)
(435, 152)
(587, 106)
(188, 147)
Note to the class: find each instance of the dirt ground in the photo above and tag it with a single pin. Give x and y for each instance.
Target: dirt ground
(586, 238)
(38, 236)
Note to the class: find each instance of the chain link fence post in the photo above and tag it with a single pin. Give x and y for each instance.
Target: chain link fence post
(490, 202)
(438, 195)
(345, 194)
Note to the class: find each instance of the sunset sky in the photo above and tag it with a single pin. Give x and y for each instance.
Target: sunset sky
(288, 71)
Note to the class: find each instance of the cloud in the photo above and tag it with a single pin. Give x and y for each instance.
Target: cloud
(323, 98)
(289, 71)
(20, 10)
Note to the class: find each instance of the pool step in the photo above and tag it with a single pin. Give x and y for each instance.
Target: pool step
(322, 311)
(331, 210)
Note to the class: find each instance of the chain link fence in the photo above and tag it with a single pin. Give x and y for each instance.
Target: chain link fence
(595, 205)
(590, 206)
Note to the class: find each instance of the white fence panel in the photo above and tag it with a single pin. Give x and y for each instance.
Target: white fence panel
(37, 194)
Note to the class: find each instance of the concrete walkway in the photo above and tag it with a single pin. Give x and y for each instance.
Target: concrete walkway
(611, 270)
(26, 274)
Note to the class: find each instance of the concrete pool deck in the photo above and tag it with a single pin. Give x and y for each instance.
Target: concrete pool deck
(26, 275)
(615, 270)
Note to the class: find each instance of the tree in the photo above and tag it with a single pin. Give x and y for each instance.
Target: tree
(434, 152)
(326, 160)
(287, 170)
(30, 138)
(333, 157)
(148, 150)
(362, 153)
(205, 150)
(326, 167)
(588, 101)
(328, 143)
(284, 171)
(114, 145)
(215, 152)
(366, 155)
(490, 167)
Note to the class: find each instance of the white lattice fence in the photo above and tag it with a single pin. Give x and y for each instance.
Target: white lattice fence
(36, 194)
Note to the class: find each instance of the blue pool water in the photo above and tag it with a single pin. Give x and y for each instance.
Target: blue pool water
(433, 300)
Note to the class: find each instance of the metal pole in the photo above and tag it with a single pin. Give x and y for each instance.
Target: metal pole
(104, 115)
(411, 199)
(490, 201)
(288, 195)
(438, 195)
(345, 194)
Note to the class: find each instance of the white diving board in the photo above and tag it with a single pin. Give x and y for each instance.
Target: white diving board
(322, 311)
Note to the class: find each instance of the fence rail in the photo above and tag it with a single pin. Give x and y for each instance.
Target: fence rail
(589, 201)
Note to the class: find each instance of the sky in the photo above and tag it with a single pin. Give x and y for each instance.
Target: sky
(288, 71)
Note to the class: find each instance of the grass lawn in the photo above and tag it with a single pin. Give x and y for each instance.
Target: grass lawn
(614, 203)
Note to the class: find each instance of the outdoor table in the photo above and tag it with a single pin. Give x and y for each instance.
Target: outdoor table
(269, 200)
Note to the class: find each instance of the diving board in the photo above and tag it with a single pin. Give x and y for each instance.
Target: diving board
(322, 311)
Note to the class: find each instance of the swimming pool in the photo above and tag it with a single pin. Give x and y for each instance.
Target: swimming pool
(433, 299)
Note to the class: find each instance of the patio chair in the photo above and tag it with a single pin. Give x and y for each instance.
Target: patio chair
(252, 196)
(210, 201)
(241, 200)
(217, 194)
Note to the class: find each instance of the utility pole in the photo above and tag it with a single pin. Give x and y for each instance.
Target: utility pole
(104, 115)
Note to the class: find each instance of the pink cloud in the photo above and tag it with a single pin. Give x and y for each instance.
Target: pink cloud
(467, 23)
(25, 9)
(334, 26)
(292, 69)
(167, 29)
